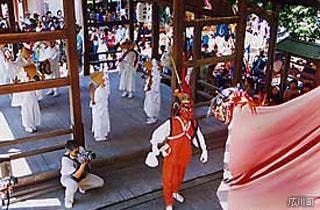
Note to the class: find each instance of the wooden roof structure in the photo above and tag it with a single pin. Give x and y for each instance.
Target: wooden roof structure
(295, 47)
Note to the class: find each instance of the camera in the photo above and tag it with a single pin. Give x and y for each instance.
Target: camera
(89, 155)
(8, 182)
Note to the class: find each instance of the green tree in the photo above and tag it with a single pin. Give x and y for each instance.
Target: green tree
(301, 22)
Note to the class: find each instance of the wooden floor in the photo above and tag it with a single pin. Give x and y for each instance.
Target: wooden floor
(129, 133)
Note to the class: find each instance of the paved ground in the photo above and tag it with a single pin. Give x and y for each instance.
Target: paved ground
(201, 197)
(129, 133)
(132, 181)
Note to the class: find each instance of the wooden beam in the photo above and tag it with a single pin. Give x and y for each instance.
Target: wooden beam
(155, 30)
(271, 50)
(32, 36)
(250, 8)
(27, 86)
(72, 56)
(36, 152)
(189, 6)
(131, 20)
(33, 138)
(213, 21)
(239, 45)
(86, 39)
(203, 103)
(208, 85)
(196, 55)
(112, 23)
(208, 61)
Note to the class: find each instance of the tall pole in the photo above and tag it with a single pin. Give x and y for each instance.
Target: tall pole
(272, 45)
(196, 55)
(155, 30)
(178, 40)
(131, 20)
(74, 90)
(239, 46)
(86, 40)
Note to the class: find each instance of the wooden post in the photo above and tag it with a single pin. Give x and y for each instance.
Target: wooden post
(239, 45)
(16, 10)
(317, 73)
(178, 40)
(271, 49)
(11, 15)
(155, 30)
(284, 75)
(196, 55)
(74, 91)
(86, 40)
(131, 19)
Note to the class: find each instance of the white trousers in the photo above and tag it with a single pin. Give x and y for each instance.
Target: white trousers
(91, 181)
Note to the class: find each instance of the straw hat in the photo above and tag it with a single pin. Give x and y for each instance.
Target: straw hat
(97, 78)
(31, 70)
(26, 51)
(148, 65)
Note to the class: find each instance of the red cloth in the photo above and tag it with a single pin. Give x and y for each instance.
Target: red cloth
(273, 156)
(175, 165)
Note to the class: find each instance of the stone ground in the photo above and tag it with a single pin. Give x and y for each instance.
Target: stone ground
(133, 181)
(129, 133)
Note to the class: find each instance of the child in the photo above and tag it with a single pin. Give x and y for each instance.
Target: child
(30, 110)
(152, 99)
(99, 94)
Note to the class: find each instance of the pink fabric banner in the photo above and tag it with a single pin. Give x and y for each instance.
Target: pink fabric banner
(272, 159)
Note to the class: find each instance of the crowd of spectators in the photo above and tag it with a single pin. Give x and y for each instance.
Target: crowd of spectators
(37, 23)
(111, 12)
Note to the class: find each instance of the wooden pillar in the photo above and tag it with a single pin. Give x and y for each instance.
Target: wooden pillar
(284, 75)
(178, 40)
(16, 10)
(24, 7)
(196, 55)
(239, 45)
(155, 30)
(131, 19)
(317, 73)
(86, 40)
(11, 15)
(271, 50)
(72, 57)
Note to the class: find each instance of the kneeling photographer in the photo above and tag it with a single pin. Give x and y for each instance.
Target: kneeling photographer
(75, 172)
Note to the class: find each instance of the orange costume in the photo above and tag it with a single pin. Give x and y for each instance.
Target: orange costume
(177, 134)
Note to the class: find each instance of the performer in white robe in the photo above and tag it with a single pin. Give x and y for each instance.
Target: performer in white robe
(100, 106)
(127, 67)
(15, 72)
(30, 110)
(3, 66)
(152, 101)
(52, 54)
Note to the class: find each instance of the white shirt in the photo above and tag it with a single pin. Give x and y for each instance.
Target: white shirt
(163, 132)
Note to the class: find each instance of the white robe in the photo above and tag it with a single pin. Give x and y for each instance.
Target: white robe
(30, 110)
(100, 112)
(3, 69)
(128, 72)
(152, 100)
(14, 69)
(52, 54)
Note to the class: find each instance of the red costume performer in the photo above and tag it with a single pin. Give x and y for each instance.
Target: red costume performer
(177, 134)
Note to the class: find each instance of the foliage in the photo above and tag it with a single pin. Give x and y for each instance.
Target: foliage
(300, 22)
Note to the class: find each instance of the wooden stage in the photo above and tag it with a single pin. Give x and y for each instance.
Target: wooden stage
(129, 133)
